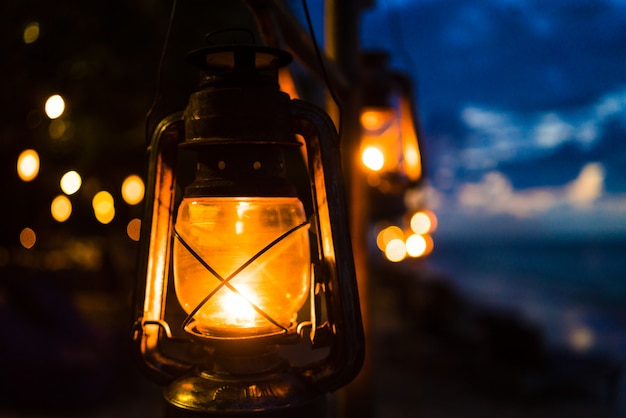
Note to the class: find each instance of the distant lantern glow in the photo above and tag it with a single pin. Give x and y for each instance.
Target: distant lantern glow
(395, 250)
(61, 208)
(373, 158)
(28, 238)
(28, 165)
(31, 33)
(70, 182)
(55, 106)
(103, 207)
(133, 229)
(133, 189)
(416, 245)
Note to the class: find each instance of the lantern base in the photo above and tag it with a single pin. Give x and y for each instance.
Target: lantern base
(259, 384)
(264, 396)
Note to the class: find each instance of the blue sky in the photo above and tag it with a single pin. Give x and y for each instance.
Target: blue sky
(523, 107)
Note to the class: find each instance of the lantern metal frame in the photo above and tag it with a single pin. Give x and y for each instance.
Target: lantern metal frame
(334, 290)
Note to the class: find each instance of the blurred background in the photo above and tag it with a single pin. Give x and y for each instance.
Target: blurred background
(518, 309)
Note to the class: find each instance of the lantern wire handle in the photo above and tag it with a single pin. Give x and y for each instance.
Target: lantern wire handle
(226, 281)
(318, 54)
(160, 67)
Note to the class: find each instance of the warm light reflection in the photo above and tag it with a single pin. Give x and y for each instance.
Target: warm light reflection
(133, 229)
(103, 207)
(70, 182)
(61, 208)
(133, 189)
(28, 165)
(373, 158)
(28, 238)
(55, 106)
(395, 250)
(31, 33)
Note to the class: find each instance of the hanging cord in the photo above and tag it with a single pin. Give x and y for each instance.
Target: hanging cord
(318, 54)
(159, 79)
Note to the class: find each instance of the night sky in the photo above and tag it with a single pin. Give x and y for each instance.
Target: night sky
(523, 109)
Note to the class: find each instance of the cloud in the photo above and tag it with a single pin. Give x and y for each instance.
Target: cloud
(495, 195)
(587, 187)
(495, 136)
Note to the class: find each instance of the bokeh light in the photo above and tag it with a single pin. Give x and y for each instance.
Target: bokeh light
(61, 208)
(28, 238)
(103, 207)
(28, 165)
(416, 245)
(133, 189)
(420, 223)
(55, 106)
(31, 33)
(57, 128)
(387, 234)
(373, 158)
(70, 182)
(133, 229)
(395, 250)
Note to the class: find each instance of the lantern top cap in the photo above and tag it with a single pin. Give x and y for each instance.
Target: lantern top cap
(239, 63)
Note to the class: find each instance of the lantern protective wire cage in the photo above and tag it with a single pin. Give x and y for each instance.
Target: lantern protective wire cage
(213, 320)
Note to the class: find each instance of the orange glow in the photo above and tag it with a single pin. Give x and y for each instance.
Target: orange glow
(430, 244)
(61, 208)
(133, 229)
(412, 159)
(373, 120)
(380, 140)
(133, 189)
(103, 207)
(28, 238)
(28, 165)
(386, 235)
(226, 233)
(287, 83)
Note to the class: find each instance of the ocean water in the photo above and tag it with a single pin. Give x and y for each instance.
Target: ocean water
(574, 290)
